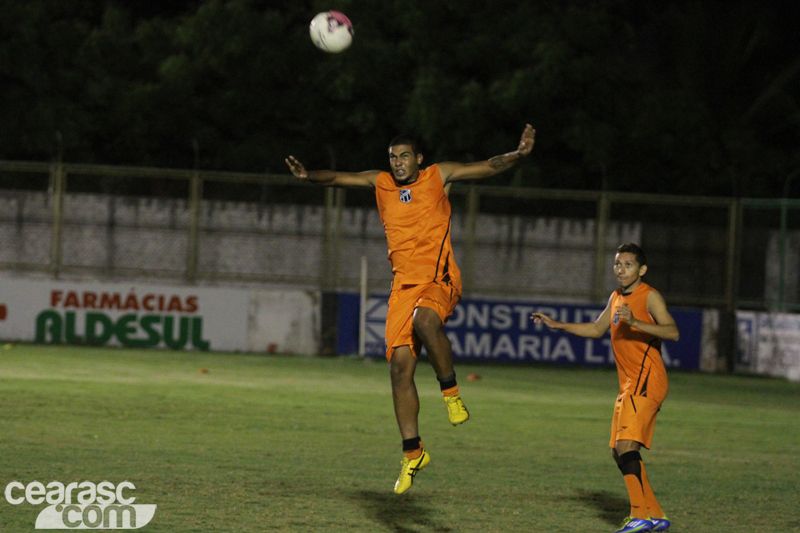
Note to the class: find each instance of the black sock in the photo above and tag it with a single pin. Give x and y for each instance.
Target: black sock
(630, 464)
(409, 445)
(447, 382)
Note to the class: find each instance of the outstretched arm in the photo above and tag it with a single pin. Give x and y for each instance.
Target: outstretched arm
(483, 169)
(331, 178)
(594, 329)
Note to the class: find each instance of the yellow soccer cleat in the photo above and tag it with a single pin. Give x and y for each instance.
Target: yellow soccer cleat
(456, 410)
(409, 468)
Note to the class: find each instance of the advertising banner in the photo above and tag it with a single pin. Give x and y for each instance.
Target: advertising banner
(769, 343)
(129, 315)
(485, 330)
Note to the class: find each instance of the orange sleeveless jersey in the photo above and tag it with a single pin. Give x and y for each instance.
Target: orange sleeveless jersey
(638, 354)
(416, 219)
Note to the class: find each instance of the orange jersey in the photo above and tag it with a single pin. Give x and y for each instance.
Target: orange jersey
(637, 354)
(416, 218)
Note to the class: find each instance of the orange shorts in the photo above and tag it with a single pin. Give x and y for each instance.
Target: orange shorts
(634, 419)
(402, 303)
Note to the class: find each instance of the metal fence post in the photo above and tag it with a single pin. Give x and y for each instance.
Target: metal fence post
(195, 198)
(600, 266)
(726, 343)
(783, 235)
(735, 213)
(473, 203)
(58, 180)
(328, 229)
(339, 197)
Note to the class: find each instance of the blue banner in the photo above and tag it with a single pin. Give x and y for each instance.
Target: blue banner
(502, 331)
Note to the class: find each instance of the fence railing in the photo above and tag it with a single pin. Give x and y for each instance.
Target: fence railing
(194, 226)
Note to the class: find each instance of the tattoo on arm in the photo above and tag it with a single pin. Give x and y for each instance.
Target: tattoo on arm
(499, 163)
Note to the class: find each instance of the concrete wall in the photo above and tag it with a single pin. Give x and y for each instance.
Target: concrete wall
(118, 238)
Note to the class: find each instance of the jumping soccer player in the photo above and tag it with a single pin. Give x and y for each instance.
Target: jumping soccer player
(639, 320)
(415, 210)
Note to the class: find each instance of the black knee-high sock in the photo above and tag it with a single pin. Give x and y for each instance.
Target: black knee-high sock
(630, 464)
(447, 382)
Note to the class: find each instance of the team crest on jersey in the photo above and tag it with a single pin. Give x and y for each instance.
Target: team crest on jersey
(405, 196)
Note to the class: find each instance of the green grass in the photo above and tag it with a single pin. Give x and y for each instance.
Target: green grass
(271, 443)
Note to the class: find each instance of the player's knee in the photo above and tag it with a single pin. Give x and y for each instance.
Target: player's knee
(399, 375)
(401, 366)
(624, 446)
(426, 322)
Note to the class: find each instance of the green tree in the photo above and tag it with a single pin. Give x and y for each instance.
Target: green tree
(719, 110)
(40, 83)
(684, 97)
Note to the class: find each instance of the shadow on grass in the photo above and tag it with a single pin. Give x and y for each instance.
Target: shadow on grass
(401, 514)
(609, 507)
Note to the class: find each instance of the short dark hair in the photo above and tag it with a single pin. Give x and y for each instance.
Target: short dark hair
(406, 139)
(631, 248)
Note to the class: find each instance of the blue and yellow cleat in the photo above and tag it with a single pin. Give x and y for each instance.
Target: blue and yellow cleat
(636, 525)
(660, 525)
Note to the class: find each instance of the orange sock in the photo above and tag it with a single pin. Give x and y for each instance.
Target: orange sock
(412, 447)
(630, 466)
(636, 495)
(653, 508)
(452, 391)
(413, 454)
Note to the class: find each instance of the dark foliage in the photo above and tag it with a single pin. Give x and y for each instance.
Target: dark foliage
(687, 97)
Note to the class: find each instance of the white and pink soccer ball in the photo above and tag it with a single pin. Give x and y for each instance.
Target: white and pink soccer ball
(331, 31)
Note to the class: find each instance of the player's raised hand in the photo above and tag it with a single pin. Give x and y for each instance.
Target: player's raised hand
(539, 318)
(296, 167)
(527, 140)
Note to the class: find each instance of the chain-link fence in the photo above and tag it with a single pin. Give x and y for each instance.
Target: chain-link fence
(189, 226)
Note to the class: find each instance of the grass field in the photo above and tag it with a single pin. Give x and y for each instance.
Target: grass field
(272, 443)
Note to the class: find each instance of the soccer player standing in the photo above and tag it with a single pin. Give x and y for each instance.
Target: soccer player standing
(426, 286)
(638, 318)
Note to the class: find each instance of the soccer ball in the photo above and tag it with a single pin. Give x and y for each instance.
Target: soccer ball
(331, 31)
